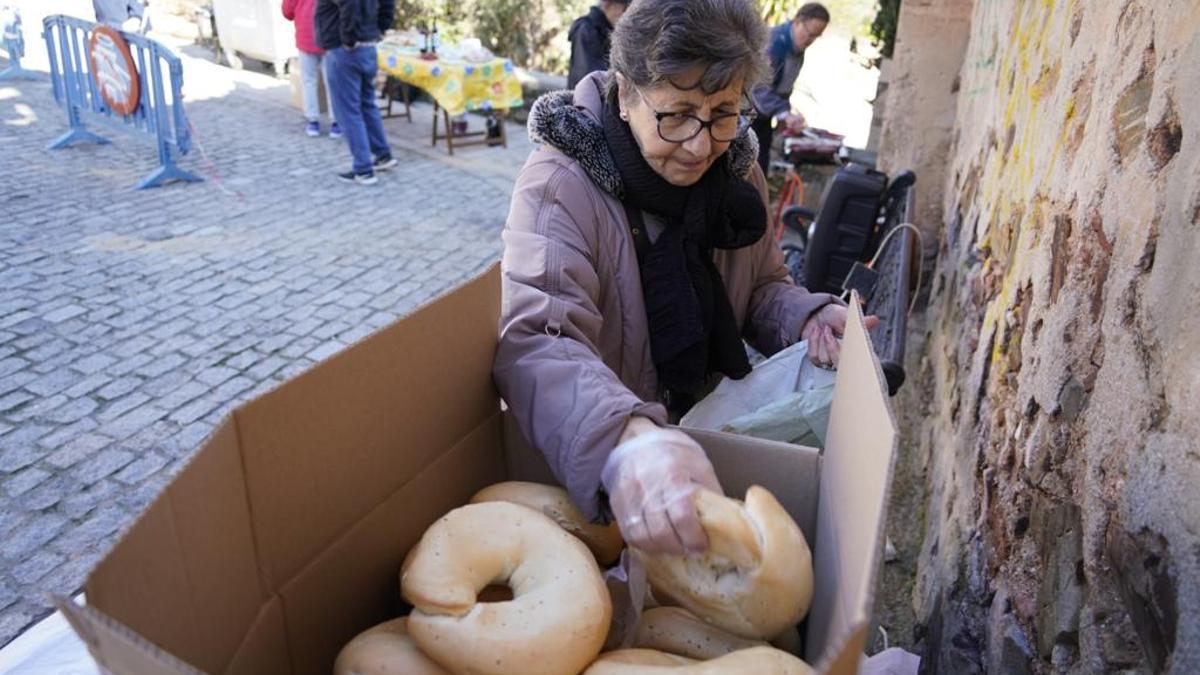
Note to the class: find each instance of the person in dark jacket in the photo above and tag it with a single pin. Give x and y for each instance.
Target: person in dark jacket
(785, 48)
(348, 31)
(589, 36)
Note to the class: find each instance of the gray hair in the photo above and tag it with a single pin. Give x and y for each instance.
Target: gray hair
(659, 40)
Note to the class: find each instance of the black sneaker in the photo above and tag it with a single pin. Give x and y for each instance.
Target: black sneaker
(385, 163)
(366, 178)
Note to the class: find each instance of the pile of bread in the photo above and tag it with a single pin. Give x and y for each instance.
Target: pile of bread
(511, 584)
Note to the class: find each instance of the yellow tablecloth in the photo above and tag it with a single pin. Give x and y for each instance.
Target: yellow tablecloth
(457, 86)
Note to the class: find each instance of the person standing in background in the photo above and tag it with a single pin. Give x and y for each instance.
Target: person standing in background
(589, 36)
(785, 49)
(348, 31)
(115, 13)
(312, 60)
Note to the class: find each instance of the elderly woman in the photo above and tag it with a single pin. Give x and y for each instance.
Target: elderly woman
(636, 260)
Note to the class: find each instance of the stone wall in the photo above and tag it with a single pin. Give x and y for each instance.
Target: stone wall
(1057, 398)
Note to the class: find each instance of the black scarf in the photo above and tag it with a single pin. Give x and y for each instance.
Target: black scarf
(693, 331)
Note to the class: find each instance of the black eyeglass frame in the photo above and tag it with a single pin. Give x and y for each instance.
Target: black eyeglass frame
(745, 117)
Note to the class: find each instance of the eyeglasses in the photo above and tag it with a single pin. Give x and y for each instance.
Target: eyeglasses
(683, 127)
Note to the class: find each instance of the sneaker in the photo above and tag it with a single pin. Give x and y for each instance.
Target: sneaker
(367, 178)
(335, 131)
(385, 163)
(313, 129)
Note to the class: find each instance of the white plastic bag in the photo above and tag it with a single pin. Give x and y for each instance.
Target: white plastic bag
(894, 661)
(785, 398)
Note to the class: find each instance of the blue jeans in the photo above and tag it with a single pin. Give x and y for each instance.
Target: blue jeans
(350, 75)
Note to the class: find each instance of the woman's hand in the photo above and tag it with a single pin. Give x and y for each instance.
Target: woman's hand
(650, 478)
(822, 331)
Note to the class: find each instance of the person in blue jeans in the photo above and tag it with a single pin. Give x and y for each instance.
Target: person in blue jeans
(348, 31)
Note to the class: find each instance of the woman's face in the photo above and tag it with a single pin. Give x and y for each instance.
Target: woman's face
(680, 164)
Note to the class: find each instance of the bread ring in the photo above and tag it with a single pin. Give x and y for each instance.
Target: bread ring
(756, 578)
(677, 631)
(385, 649)
(753, 661)
(604, 540)
(560, 612)
(643, 657)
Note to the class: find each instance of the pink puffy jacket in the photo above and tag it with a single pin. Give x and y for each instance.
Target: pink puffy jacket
(301, 13)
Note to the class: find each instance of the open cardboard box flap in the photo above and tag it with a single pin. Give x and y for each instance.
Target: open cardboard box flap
(283, 536)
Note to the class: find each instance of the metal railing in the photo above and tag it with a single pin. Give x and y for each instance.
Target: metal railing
(157, 114)
(891, 299)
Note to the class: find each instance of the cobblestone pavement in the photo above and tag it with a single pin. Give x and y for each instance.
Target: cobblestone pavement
(131, 321)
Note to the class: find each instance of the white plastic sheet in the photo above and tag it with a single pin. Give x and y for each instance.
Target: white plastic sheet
(50, 646)
(784, 399)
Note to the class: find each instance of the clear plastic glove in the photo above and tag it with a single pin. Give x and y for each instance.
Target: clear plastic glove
(650, 478)
(626, 582)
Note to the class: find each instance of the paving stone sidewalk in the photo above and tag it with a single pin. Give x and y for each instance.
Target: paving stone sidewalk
(131, 321)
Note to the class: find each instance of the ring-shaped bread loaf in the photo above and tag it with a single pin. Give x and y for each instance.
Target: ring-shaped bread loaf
(755, 579)
(604, 540)
(677, 631)
(385, 649)
(753, 661)
(638, 656)
(558, 617)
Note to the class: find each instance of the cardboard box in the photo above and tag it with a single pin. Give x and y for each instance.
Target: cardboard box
(283, 537)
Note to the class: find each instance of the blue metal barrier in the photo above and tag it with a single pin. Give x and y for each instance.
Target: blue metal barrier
(14, 43)
(117, 79)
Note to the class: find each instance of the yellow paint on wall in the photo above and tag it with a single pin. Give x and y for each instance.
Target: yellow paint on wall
(1040, 30)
